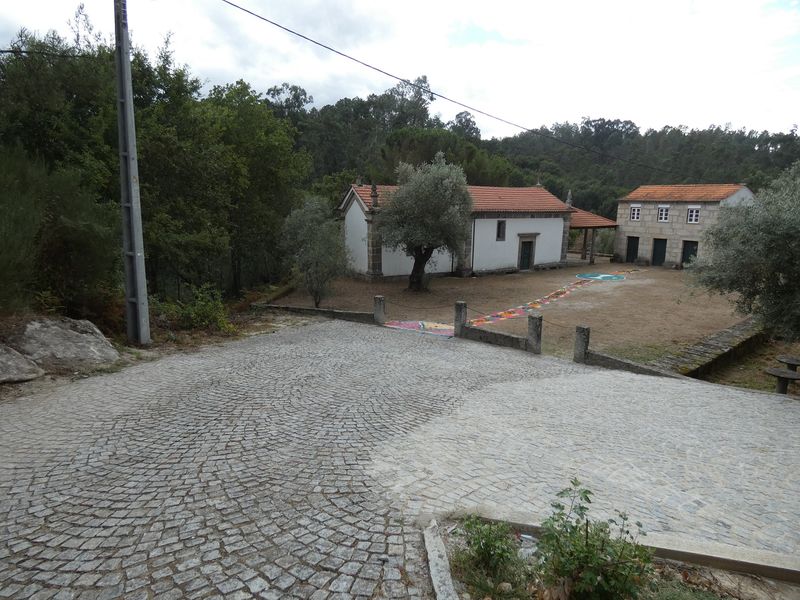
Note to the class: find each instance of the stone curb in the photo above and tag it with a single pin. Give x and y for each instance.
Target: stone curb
(438, 565)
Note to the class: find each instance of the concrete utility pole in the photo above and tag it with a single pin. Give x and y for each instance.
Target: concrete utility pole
(137, 314)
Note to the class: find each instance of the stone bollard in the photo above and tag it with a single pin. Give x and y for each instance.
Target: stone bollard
(460, 317)
(581, 343)
(379, 310)
(535, 333)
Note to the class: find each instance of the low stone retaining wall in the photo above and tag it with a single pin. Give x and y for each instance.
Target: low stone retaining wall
(531, 343)
(331, 313)
(716, 350)
(598, 359)
(494, 337)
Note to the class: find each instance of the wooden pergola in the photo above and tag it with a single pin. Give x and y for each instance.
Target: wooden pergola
(582, 219)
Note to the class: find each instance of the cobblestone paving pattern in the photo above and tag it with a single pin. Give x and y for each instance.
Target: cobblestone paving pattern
(241, 470)
(296, 464)
(692, 461)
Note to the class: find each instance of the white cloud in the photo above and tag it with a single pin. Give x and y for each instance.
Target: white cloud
(690, 62)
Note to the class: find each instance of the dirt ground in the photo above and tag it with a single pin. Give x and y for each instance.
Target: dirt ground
(748, 371)
(652, 312)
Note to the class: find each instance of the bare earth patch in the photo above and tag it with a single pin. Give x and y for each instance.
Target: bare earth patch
(648, 314)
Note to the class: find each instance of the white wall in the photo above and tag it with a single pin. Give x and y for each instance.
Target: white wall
(355, 237)
(491, 254)
(397, 262)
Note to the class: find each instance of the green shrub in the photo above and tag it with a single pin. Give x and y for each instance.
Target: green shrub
(204, 311)
(490, 545)
(590, 560)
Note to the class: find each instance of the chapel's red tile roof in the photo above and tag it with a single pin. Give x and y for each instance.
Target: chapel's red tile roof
(692, 192)
(582, 219)
(486, 198)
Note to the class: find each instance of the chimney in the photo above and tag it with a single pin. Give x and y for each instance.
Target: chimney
(358, 181)
(569, 197)
(373, 194)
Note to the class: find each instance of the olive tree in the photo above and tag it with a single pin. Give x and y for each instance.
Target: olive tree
(753, 252)
(315, 246)
(429, 211)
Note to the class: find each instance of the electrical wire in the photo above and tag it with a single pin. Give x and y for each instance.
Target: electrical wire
(427, 90)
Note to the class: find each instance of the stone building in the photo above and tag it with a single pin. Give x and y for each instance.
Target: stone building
(664, 224)
(511, 229)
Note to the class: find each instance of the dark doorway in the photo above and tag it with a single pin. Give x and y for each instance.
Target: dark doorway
(632, 251)
(659, 252)
(525, 255)
(689, 252)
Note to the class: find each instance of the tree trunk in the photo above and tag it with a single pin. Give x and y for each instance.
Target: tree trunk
(416, 280)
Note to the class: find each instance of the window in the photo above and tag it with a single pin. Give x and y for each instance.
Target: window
(693, 215)
(663, 214)
(501, 231)
(636, 213)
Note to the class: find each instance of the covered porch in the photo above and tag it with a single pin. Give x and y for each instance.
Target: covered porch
(588, 223)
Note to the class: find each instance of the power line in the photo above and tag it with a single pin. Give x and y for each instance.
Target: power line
(443, 97)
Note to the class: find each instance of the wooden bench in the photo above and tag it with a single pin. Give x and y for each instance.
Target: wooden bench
(791, 362)
(784, 376)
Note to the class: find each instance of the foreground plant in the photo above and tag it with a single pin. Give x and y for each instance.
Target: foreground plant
(490, 564)
(589, 560)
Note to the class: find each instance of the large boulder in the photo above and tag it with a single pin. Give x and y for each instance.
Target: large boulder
(14, 367)
(62, 344)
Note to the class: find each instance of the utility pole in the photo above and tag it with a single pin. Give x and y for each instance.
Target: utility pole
(137, 315)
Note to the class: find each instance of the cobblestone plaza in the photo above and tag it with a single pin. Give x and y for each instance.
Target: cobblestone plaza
(300, 463)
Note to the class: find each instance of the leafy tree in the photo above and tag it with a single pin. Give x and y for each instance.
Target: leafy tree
(264, 182)
(24, 184)
(78, 256)
(752, 252)
(465, 126)
(315, 246)
(334, 187)
(418, 145)
(430, 210)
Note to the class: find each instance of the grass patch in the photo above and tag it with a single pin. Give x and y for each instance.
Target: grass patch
(748, 371)
(674, 590)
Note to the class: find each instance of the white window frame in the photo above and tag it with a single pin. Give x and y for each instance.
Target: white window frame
(662, 215)
(693, 215)
(638, 213)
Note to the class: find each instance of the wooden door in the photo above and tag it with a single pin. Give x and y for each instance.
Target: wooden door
(525, 255)
(659, 252)
(632, 251)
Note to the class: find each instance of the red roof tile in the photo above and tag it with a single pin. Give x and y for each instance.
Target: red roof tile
(694, 192)
(486, 198)
(582, 219)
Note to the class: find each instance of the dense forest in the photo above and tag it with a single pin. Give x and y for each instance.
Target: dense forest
(220, 169)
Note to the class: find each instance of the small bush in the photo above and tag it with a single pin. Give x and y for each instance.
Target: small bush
(589, 560)
(490, 545)
(204, 311)
(490, 564)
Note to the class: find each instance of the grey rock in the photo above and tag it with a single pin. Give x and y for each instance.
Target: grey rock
(62, 344)
(14, 367)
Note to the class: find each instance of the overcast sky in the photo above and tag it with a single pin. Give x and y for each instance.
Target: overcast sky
(535, 62)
